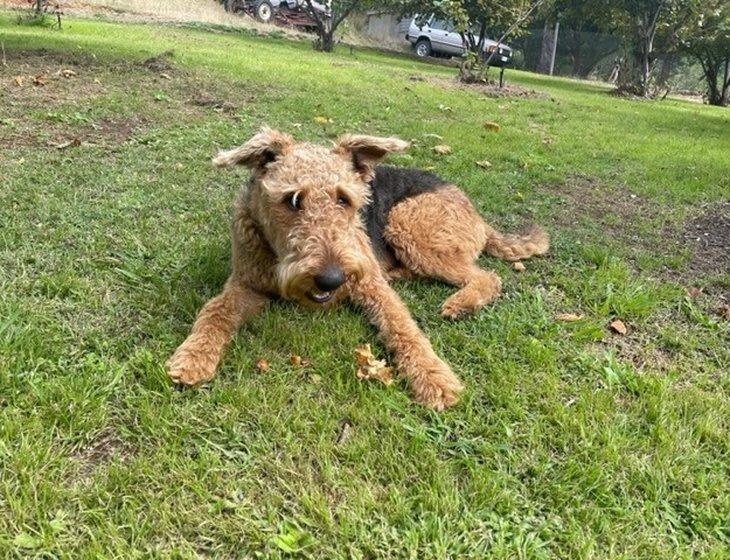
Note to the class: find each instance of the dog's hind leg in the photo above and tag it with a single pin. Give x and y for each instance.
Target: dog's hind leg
(195, 361)
(440, 235)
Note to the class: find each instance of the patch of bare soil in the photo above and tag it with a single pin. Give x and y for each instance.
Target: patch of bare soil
(58, 88)
(104, 448)
(708, 234)
(616, 211)
(160, 63)
(489, 89)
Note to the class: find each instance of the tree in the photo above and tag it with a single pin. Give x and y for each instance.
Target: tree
(329, 14)
(475, 20)
(643, 24)
(707, 38)
(579, 34)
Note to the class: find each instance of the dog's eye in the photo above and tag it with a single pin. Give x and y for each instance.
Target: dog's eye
(342, 200)
(293, 200)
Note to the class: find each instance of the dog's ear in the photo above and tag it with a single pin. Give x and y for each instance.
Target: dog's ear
(266, 146)
(366, 151)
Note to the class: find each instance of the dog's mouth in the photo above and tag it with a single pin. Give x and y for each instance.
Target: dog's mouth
(320, 297)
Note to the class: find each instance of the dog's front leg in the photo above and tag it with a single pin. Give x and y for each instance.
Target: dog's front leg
(431, 380)
(196, 359)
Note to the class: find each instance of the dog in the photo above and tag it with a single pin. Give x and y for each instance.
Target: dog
(321, 224)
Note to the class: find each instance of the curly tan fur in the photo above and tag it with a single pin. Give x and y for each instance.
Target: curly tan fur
(300, 214)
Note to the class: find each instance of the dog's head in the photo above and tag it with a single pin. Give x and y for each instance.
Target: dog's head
(307, 200)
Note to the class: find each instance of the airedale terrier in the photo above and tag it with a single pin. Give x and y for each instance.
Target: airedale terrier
(320, 224)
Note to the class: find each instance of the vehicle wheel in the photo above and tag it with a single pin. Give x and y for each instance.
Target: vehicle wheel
(423, 48)
(264, 11)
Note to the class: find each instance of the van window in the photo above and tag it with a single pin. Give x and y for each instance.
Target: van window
(440, 24)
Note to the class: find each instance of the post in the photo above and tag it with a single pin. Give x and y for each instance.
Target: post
(555, 46)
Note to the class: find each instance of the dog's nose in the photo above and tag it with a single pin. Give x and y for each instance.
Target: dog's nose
(330, 278)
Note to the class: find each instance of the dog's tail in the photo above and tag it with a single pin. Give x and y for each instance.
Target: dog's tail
(510, 247)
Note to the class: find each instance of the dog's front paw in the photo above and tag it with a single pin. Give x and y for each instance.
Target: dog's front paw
(189, 367)
(436, 387)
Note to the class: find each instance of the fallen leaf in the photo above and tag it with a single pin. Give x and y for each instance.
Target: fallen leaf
(370, 368)
(519, 196)
(67, 73)
(74, 142)
(492, 126)
(617, 325)
(40, 80)
(518, 266)
(165, 76)
(725, 312)
(694, 291)
(484, 164)
(262, 366)
(442, 149)
(19, 80)
(569, 317)
(322, 120)
(295, 360)
(444, 107)
(345, 433)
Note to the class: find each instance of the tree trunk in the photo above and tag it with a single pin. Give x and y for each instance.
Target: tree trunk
(666, 70)
(547, 47)
(326, 41)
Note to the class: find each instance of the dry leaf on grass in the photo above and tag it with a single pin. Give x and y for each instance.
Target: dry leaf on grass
(492, 126)
(262, 366)
(694, 291)
(19, 80)
(569, 317)
(322, 120)
(73, 143)
(725, 312)
(40, 80)
(370, 368)
(166, 76)
(518, 267)
(66, 73)
(617, 326)
(442, 149)
(345, 433)
(484, 164)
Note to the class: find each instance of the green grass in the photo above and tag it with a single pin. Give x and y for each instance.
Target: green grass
(569, 442)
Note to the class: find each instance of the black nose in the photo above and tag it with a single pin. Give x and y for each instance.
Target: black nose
(330, 278)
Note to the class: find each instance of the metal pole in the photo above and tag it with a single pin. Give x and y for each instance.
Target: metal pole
(555, 47)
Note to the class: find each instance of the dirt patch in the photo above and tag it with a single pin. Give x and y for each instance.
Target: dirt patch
(708, 234)
(489, 89)
(616, 211)
(160, 64)
(104, 448)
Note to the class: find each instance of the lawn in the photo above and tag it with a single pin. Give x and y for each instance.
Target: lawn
(571, 441)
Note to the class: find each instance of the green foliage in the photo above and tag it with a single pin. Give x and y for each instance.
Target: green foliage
(707, 37)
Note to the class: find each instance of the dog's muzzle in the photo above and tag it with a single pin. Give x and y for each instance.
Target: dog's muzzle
(326, 283)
